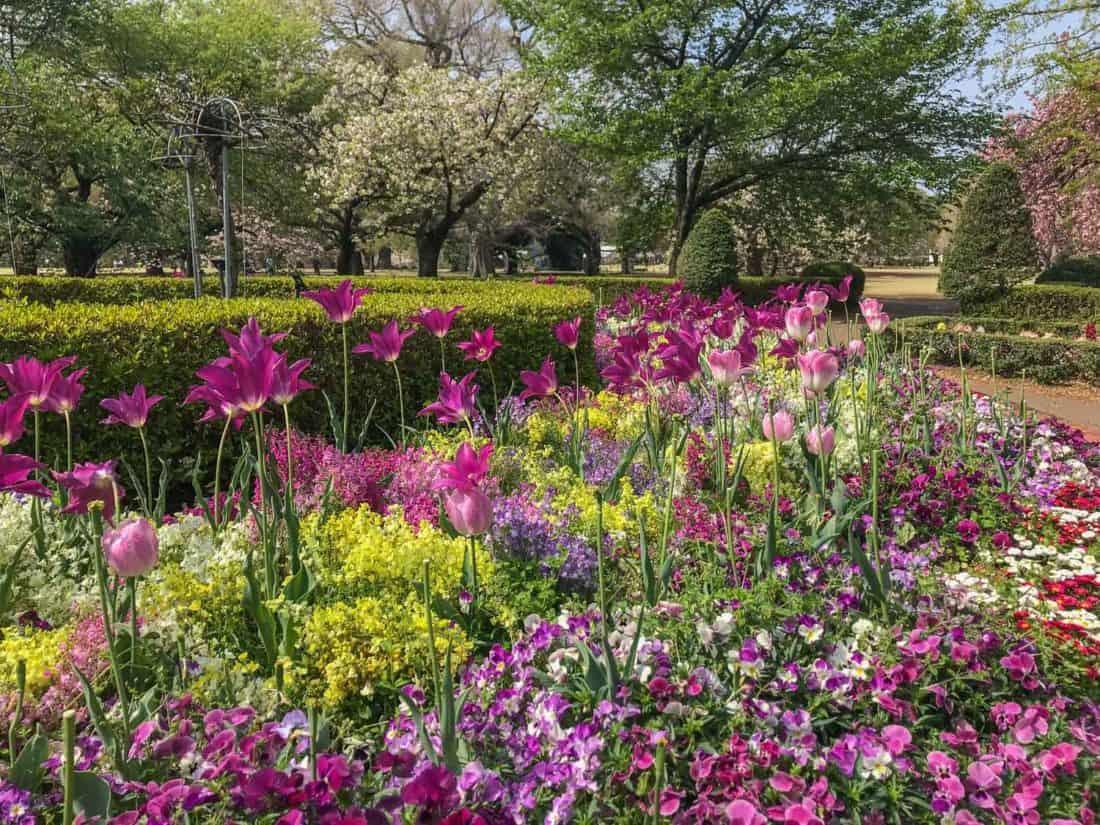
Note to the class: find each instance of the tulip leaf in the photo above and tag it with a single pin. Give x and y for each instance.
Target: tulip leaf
(91, 795)
(27, 770)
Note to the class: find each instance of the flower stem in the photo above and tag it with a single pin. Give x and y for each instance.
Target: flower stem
(68, 735)
(218, 471)
(131, 585)
(400, 401)
(289, 455)
(347, 395)
(69, 440)
(150, 499)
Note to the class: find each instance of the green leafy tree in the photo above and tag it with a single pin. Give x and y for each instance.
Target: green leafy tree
(725, 94)
(993, 247)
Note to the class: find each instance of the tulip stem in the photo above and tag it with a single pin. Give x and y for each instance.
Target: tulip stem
(400, 401)
(150, 499)
(68, 736)
(109, 633)
(347, 396)
(577, 374)
(37, 444)
(473, 567)
(218, 471)
(442, 355)
(496, 398)
(289, 456)
(131, 585)
(69, 440)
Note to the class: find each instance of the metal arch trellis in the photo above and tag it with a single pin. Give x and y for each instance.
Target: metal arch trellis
(181, 154)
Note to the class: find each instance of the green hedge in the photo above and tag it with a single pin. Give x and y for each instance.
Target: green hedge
(1080, 271)
(834, 272)
(161, 344)
(1039, 302)
(1047, 360)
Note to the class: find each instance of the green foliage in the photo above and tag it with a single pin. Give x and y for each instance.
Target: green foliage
(1082, 271)
(1046, 360)
(709, 260)
(161, 344)
(1042, 302)
(820, 270)
(993, 247)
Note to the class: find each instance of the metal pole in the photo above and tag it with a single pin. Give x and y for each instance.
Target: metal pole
(196, 266)
(230, 286)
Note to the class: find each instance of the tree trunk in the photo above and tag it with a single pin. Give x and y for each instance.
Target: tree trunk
(481, 254)
(754, 258)
(384, 259)
(592, 254)
(26, 261)
(685, 220)
(349, 261)
(626, 262)
(429, 245)
(81, 258)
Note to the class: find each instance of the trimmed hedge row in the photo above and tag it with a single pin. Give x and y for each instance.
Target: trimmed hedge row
(1040, 302)
(1079, 271)
(1046, 360)
(161, 344)
(131, 290)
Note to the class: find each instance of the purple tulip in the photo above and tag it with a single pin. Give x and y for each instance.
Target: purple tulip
(778, 426)
(788, 293)
(385, 345)
(539, 384)
(481, 345)
(469, 511)
(820, 440)
(339, 304)
(243, 382)
(457, 402)
(680, 355)
(14, 469)
(286, 381)
(568, 333)
(250, 341)
(131, 549)
(725, 366)
(819, 370)
(131, 410)
(799, 321)
(66, 393)
(468, 469)
(90, 482)
(436, 321)
(32, 377)
(12, 412)
(840, 293)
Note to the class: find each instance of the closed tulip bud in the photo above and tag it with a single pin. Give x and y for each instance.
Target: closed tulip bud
(856, 348)
(799, 322)
(821, 440)
(817, 300)
(132, 548)
(725, 366)
(779, 426)
(878, 322)
(819, 369)
(469, 511)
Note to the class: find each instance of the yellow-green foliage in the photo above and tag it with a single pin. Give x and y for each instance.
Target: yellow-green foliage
(40, 649)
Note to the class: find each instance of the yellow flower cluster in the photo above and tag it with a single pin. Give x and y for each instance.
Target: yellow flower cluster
(543, 428)
(758, 465)
(40, 649)
(619, 519)
(362, 551)
(618, 415)
(351, 648)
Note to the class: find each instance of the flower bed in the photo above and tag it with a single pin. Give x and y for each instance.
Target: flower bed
(1046, 352)
(747, 580)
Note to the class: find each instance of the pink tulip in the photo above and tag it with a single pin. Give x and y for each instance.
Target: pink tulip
(778, 426)
(870, 306)
(286, 380)
(878, 322)
(817, 300)
(457, 400)
(12, 412)
(843, 292)
(385, 345)
(131, 410)
(819, 370)
(90, 482)
(856, 348)
(32, 377)
(250, 341)
(799, 321)
(568, 333)
(436, 321)
(725, 366)
(467, 471)
(132, 548)
(539, 384)
(14, 470)
(481, 345)
(820, 440)
(339, 304)
(66, 392)
(469, 511)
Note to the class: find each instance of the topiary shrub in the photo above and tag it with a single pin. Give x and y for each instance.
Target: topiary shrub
(993, 247)
(708, 262)
(835, 270)
(1079, 271)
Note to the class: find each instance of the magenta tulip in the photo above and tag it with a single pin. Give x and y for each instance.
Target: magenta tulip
(26, 375)
(12, 412)
(385, 345)
(14, 472)
(541, 383)
(679, 355)
(66, 393)
(568, 333)
(287, 382)
(817, 300)
(778, 426)
(840, 293)
(90, 482)
(481, 345)
(339, 304)
(469, 511)
(250, 341)
(131, 410)
(799, 321)
(820, 440)
(467, 471)
(436, 321)
(819, 370)
(870, 306)
(725, 366)
(457, 401)
(132, 548)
